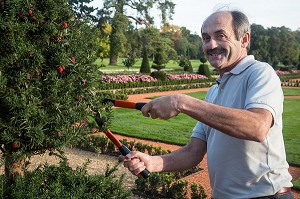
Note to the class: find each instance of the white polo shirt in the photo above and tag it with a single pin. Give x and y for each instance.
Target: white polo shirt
(240, 168)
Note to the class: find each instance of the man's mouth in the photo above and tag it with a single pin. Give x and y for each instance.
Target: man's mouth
(215, 52)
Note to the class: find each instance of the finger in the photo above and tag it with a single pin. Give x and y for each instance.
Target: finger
(153, 115)
(137, 168)
(121, 158)
(145, 110)
(130, 163)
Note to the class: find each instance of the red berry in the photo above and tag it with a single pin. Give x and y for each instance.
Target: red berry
(58, 133)
(65, 24)
(72, 59)
(61, 69)
(15, 145)
(30, 12)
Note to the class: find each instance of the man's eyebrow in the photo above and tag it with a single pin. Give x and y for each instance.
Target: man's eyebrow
(219, 31)
(216, 32)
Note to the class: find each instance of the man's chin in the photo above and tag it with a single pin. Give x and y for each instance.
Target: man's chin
(217, 64)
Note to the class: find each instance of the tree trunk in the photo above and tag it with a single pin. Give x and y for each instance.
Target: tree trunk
(13, 168)
(113, 60)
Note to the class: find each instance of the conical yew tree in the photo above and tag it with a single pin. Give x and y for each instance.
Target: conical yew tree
(46, 79)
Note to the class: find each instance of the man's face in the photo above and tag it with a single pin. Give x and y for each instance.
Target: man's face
(220, 44)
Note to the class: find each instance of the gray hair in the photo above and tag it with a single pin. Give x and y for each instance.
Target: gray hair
(240, 24)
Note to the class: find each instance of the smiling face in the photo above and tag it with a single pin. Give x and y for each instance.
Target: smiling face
(220, 45)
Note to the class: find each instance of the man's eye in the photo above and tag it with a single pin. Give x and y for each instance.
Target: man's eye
(205, 38)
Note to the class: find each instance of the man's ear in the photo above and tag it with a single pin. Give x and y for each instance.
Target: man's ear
(245, 39)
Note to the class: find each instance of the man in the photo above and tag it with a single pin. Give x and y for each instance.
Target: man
(239, 124)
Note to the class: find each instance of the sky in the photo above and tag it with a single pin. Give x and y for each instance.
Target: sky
(268, 13)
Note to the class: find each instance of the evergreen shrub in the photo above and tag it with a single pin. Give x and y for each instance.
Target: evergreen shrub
(204, 70)
(160, 75)
(145, 66)
(50, 181)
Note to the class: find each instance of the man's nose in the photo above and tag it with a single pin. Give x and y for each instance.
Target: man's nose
(212, 44)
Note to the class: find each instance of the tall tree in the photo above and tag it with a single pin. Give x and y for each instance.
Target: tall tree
(120, 9)
(46, 79)
(260, 47)
(117, 37)
(195, 49)
(103, 40)
(82, 10)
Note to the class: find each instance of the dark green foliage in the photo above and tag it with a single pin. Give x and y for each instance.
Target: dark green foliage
(126, 9)
(178, 189)
(63, 182)
(145, 66)
(163, 185)
(160, 75)
(117, 37)
(269, 44)
(197, 192)
(185, 63)
(129, 62)
(47, 79)
(275, 64)
(204, 70)
(158, 67)
(203, 60)
(160, 59)
(82, 10)
(298, 66)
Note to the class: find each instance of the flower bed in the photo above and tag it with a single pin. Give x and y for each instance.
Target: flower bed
(126, 78)
(185, 76)
(293, 72)
(112, 82)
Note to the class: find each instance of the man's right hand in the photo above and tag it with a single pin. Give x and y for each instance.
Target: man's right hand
(136, 162)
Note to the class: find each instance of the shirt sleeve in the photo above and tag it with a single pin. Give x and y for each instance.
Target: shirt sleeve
(198, 131)
(264, 90)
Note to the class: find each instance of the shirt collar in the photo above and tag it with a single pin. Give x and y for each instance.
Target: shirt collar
(243, 64)
(240, 67)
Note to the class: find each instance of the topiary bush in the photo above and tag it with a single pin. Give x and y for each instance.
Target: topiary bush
(204, 70)
(160, 59)
(145, 66)
(160, 75)
(185, 63)
(203, 60)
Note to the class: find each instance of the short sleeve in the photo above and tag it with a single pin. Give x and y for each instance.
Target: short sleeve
(198, 131)
(264, 90)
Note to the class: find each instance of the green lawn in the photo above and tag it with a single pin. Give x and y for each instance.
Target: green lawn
(170, 65)
(178, 129)
(175, 130)
(291, 126)
(291, 91)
